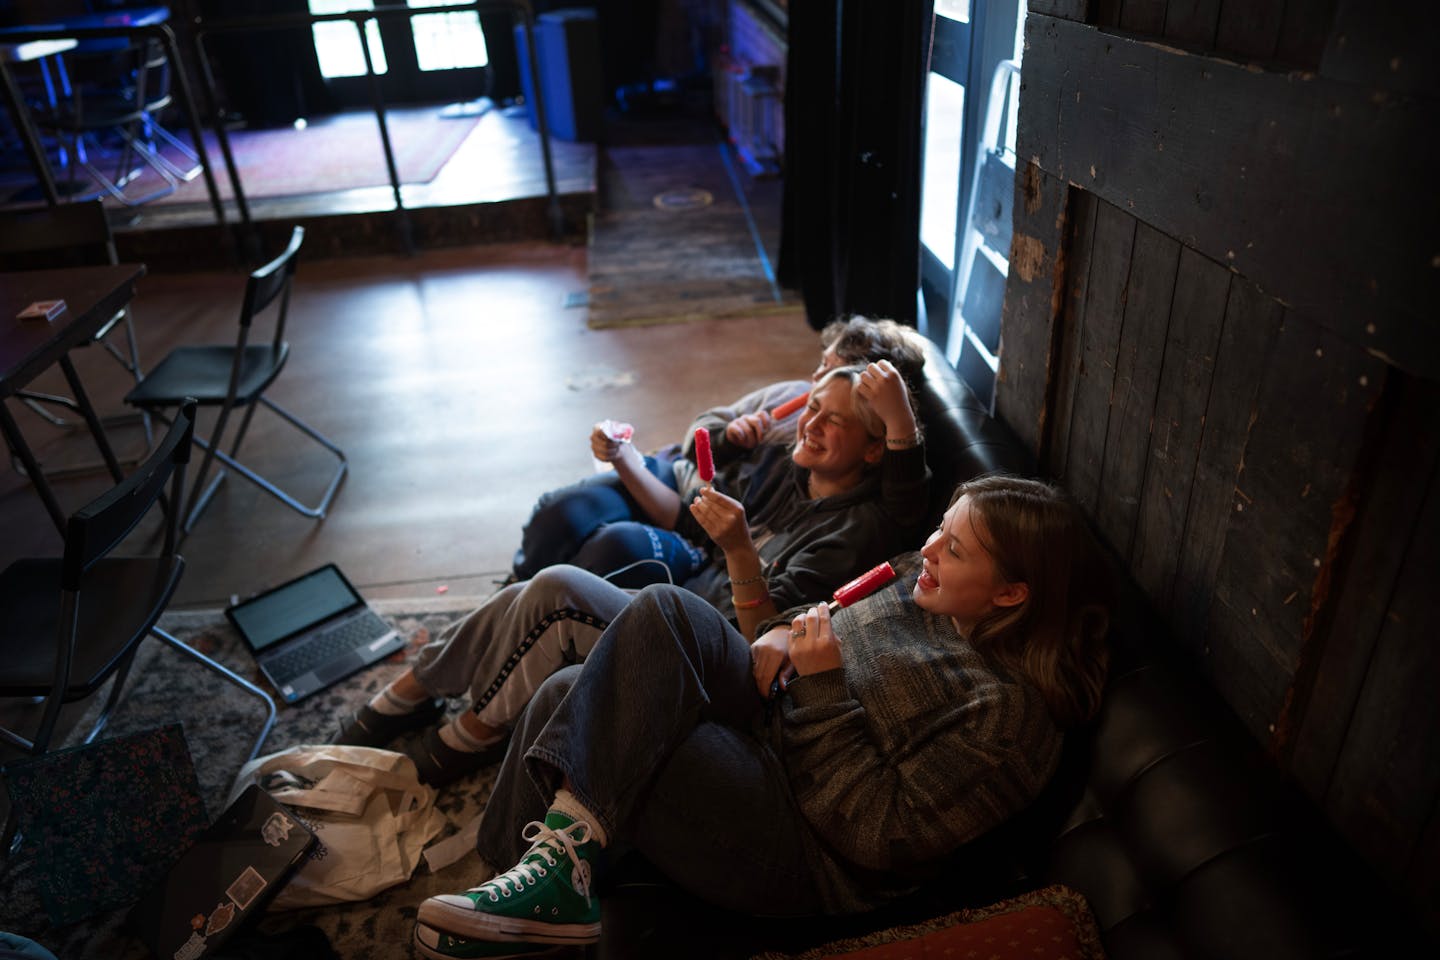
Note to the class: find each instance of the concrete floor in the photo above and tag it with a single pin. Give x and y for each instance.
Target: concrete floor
(459, 385)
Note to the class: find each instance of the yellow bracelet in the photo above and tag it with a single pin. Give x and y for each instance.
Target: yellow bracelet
(749, 604)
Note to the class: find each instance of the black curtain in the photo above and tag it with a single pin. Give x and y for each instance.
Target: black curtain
(854, 93)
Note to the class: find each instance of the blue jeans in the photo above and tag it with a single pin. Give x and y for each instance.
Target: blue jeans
(661, 733)
(596, 525)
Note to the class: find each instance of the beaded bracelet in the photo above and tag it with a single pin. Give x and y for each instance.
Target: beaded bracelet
(744, 580)
(749, 604)
(903, 443)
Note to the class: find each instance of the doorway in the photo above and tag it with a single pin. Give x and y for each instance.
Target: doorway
(422, 58)
(969, 149)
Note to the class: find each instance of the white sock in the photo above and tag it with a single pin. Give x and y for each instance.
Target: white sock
(567, 803)
(391, 704)
(456, 737)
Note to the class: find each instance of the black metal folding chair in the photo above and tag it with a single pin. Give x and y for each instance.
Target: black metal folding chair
(69, 624)
(226, 377)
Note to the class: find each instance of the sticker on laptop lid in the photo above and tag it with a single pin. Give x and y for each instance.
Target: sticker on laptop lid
(246, 887)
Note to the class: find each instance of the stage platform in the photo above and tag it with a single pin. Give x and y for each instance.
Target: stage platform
(465, 180)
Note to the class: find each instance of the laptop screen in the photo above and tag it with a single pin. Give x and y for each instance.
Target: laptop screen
(292, 607)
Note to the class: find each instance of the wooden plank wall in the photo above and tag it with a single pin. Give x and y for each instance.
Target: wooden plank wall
(1226, 343)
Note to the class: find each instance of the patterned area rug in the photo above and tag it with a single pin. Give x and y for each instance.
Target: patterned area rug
(220, 723)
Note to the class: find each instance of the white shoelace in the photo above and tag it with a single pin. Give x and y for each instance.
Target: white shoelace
(544, 843)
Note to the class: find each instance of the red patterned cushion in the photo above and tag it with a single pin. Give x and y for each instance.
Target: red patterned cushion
(1053, 923)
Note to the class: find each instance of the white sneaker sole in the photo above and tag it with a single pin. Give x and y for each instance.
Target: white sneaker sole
(463, 922)
(427, 942)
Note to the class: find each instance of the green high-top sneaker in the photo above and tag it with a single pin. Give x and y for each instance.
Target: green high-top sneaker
(543, 899)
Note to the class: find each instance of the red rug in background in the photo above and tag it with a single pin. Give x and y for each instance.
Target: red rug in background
(341, 152)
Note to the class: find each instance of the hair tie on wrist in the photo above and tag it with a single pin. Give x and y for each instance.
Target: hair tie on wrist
(749, 604)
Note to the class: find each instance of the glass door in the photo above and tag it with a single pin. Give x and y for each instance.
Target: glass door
(944, 162)
(967, 173)
(424, 58)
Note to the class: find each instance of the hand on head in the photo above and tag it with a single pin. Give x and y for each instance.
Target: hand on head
(746, 432)
(882, 386)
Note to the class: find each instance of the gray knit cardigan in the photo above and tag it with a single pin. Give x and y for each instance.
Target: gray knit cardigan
(919, 744)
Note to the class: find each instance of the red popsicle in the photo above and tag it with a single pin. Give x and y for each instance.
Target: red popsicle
(862, 586)
(703, 459)
(789, 406)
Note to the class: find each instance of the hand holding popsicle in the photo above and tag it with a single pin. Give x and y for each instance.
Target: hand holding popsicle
(813, 645)
(747, 431)
(703, 459)
(821, 651)
(723, 518)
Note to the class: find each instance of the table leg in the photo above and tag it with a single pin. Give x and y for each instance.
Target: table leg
(21, 450)
(97, 429)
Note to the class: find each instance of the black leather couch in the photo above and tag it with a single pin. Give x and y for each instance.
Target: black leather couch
(1165, 814)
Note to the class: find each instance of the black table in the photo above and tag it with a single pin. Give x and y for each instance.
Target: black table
(92, 296)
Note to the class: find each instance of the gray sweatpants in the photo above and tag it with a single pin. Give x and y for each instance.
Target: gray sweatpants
(501, 653)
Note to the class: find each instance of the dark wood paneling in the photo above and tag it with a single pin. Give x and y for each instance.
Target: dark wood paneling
(1033, 301)
(1316, 398)
(1250, 30)
(1386, 46)
(1076, 10)
(1143, 16)
(1405, 460)
(1192, 21)
(1389, 772)
(1241, 165)
(1105, 13)
(1304, 34)
(1149, 292)
(1201, 290)
(1114, 236)
(1056, 445)
(1252, 321)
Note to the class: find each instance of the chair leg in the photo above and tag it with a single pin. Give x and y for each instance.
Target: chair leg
(228, 462)
(234, 678)
(117, 684)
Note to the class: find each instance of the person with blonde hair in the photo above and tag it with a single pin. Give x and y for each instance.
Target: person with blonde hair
(769, 531)
(599, 524)
(905, 725)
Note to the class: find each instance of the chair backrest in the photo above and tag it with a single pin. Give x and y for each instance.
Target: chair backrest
(112, 85)
(67, 235)
(95, 529)
(271, 281)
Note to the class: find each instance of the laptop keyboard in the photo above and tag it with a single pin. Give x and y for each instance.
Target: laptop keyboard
(324, 647)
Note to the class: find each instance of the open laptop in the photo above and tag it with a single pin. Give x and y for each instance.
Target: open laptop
(312, 631)
(231, 871)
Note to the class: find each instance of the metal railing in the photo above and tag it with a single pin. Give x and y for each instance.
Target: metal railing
(215, 108)
(521, 8)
